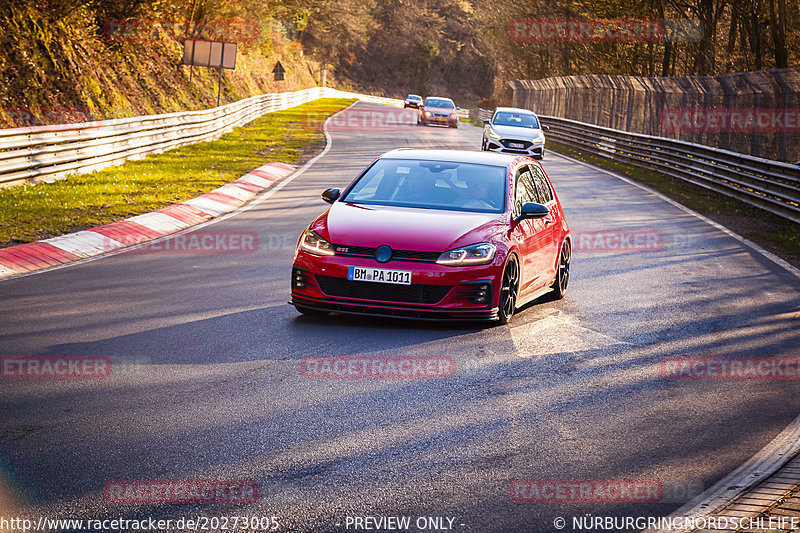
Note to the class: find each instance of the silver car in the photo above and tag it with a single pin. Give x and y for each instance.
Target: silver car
(514, 131)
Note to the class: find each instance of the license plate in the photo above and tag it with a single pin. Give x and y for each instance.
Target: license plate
(516, 145)
(379, 275)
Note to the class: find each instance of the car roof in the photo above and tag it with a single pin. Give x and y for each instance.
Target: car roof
(515, 110)
(414, 95)
(439, 98)
(455, 156)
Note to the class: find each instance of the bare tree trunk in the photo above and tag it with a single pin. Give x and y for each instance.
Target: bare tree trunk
(732, 33)
(755, 35)
(777, 23)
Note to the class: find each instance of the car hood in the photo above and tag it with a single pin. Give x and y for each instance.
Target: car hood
(404, 228)
(447, 110)
(515, 132)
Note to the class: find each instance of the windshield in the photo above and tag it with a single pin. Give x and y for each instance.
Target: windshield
(439, 102)
(520, 120)
(432, 185)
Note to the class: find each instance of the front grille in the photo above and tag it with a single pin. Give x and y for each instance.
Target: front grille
(506, 144)
(405, 255)
(382, 292)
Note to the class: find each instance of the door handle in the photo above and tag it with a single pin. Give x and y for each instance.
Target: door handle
(548, 221)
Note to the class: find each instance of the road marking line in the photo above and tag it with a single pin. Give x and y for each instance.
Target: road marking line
(747, 242)
(774, 455)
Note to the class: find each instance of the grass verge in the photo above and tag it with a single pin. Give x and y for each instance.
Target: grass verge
(774, 233)
(32, 212)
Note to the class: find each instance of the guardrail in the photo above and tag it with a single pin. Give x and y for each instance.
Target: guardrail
(485, 114)
(770, 185)
(45, 153)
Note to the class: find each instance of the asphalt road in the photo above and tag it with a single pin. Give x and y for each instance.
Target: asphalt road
(206, 380)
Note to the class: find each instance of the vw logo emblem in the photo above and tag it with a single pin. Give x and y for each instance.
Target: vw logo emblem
(383, 253)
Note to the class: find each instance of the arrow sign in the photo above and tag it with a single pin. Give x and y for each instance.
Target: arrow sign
(279, 71)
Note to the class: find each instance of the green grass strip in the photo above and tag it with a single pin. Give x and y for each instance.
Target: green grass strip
(32, 212)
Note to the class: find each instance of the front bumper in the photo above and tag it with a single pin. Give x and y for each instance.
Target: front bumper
(505, 146)
(444, 121)
(437, 291)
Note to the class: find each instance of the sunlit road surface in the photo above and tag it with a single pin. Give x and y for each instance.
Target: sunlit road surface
(206, 379)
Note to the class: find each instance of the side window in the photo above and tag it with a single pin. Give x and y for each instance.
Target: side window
(524, 191)
(542, 186)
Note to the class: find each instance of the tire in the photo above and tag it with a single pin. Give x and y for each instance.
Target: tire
(454, 126)
(561, 282)
(509, 289)
(314, 313)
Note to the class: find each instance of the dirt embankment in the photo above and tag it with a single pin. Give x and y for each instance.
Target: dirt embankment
(80, 69)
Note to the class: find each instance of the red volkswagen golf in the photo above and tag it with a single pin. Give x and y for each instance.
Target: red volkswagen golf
(435, 234)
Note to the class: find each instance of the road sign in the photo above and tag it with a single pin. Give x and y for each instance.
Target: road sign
(279, 71)
(214, 54)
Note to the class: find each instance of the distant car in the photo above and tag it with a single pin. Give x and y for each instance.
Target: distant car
(447, 234)
(412, 100)
(438, 110)
(514, 131)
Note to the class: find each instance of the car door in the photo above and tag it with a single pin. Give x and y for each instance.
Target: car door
(524, 233)
(547, 228)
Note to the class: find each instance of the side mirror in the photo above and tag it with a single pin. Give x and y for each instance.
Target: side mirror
(486, 121)
(545, 127)
(533, 210)
(330, 195)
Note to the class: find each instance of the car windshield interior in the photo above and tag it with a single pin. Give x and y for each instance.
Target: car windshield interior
(439, 102)
(442, 185)
(520, 120)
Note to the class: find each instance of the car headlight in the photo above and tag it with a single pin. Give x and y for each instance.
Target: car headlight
(453, 115)
(427, 113)
(492, 134)
(539, 139)
(474, 254)
(314, 244)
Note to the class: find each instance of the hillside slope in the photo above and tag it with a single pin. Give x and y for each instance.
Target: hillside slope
(76, 69)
